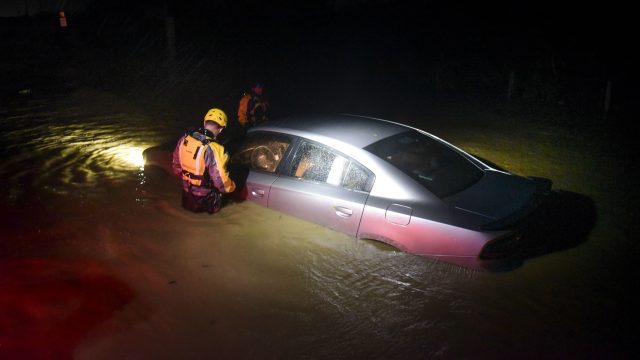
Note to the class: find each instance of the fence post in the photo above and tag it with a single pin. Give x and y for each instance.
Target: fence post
(607, 99)
(512, 82)
(170, 33)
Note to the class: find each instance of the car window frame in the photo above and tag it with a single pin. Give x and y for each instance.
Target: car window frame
(285, 155)
(287, 167)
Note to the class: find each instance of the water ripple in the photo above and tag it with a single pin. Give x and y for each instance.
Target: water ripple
(63, 144)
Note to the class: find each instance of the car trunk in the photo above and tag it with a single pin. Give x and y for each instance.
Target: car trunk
(499, 200)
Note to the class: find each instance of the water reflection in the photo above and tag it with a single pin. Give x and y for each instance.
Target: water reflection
(125, 156)
(63, 148)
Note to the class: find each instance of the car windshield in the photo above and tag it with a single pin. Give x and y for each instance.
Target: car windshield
(436, 166)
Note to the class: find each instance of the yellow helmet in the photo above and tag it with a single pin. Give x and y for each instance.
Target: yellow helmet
(216, 115)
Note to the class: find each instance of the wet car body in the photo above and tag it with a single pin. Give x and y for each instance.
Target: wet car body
(380, 180)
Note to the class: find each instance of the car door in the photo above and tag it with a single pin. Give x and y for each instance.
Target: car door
(262, 154)
(322, 186)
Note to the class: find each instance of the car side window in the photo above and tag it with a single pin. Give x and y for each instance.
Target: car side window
(262, 151)
(320, 164)
(357, 178)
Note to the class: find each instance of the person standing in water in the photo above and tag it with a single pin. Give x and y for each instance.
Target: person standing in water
(202, 164)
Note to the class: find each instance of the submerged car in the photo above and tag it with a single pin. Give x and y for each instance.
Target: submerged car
(380, 180)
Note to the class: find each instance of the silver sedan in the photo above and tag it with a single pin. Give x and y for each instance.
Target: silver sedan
(380, 180)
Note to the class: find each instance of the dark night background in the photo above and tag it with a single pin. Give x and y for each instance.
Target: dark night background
(377, 57)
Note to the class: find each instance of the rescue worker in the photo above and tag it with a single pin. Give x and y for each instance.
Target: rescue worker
(253, 107)
(202, 163)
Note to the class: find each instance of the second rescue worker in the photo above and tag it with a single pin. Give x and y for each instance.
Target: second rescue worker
(202, 163)
(253, 108)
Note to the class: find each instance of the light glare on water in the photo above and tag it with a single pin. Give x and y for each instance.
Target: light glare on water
(66, 148)
(127, 155)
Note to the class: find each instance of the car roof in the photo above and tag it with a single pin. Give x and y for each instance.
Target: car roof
(359, 131)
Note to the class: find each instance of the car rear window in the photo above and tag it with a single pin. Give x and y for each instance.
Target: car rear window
(436, 166)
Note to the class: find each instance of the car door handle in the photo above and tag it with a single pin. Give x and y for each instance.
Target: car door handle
(343, 211)
(257, 192)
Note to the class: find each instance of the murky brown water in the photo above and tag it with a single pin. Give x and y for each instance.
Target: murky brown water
(253, 283)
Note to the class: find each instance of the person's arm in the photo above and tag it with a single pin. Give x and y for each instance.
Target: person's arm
(216, 159)
(175, 162)
(243, 109)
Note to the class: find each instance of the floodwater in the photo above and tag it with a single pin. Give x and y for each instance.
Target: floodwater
(99, 261)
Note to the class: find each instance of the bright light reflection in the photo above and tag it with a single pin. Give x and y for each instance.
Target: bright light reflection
(130, 155)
